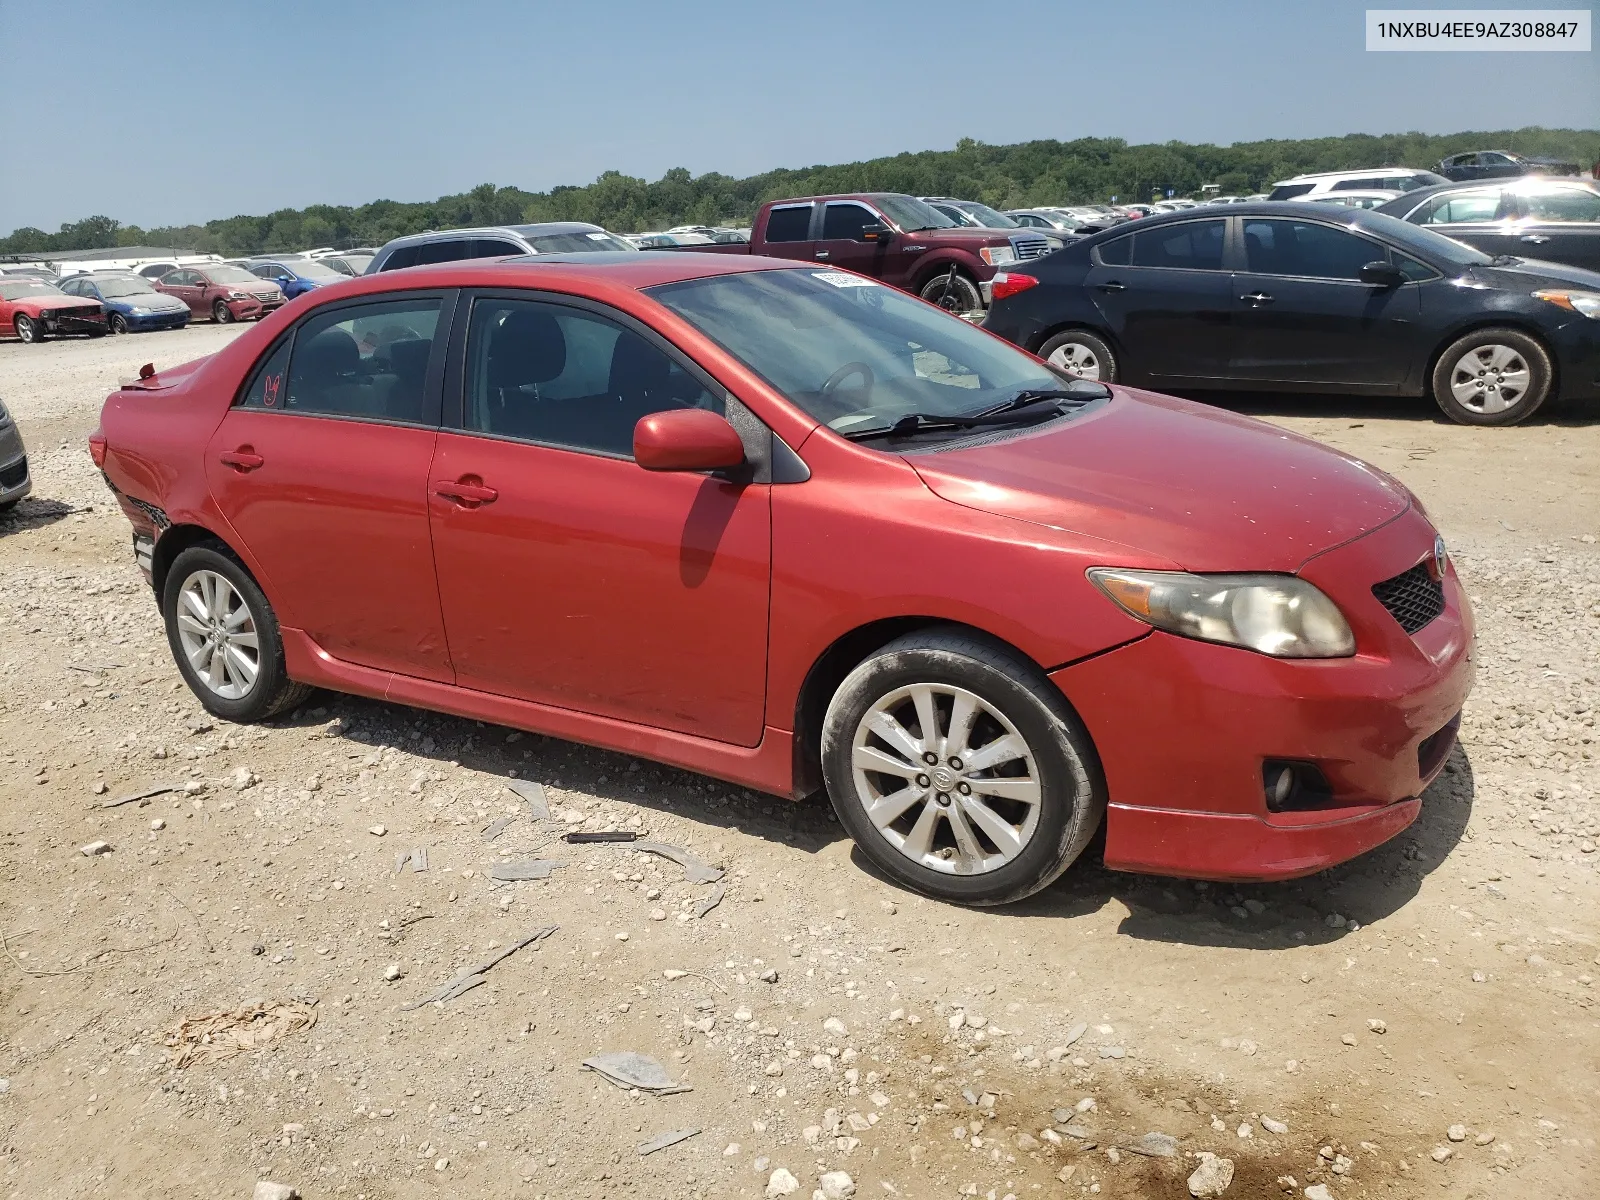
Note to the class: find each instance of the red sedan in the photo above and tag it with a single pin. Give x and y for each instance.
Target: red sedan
(792, 528)
(222, 293)
(32, 310)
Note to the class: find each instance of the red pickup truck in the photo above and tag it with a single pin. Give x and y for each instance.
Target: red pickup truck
(895, 238)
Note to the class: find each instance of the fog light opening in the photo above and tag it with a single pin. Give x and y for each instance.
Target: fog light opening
(1294, 785)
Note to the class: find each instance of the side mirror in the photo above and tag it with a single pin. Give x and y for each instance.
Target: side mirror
(283, 281)
(686, 439)
(1381, 274)
(875, 233)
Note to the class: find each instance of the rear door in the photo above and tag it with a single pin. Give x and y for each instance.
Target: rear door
(1561, 224)
(321, 466)
(841, 243)
(1303, 316)
(788, 231)
(1165, 298)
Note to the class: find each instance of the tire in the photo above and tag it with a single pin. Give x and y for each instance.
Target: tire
(956, 294)
(227, 689)
(1492, 377)
(27, 330)
(221, 314)
(1054, 793)
(117, 323)
(1081, 353)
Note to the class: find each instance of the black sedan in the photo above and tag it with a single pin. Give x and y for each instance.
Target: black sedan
(1502, 164)
(1276, 297)
(1557, 220)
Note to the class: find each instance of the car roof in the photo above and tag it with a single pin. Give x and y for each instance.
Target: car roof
(524, 231)
(629, 271)
(1516, 182)
(1297, 210)
(1356, 173)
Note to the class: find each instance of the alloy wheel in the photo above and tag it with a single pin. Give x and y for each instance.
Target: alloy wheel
(218, 633)
(26, 330)
(1076, 359)
(1490, 379)
(946, 778)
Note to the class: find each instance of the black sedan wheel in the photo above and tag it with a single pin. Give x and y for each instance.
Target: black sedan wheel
(1492, 377)
(117, 323)
(221, 314)
(1079, 352)
(27, 330)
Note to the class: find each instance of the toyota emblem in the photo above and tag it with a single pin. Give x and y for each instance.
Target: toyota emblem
(1441, 558)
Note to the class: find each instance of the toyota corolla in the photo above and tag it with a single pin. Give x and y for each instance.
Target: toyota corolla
(792, 528)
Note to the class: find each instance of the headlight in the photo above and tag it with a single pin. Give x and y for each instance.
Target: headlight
(238, 295)
(1584, 303)
(1280, 615)
(998, 256)
(139, 311)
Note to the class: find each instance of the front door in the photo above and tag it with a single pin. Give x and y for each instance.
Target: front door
(1303, 316)
(1165, 299)
(569, 575)
(322, 469)
(841, 243)
(186, 286)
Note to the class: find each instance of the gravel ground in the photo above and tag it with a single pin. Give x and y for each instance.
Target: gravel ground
(1418, 1022)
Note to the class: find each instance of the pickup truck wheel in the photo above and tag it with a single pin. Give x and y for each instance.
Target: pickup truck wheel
(1079, 352)
(959, 769)
(956, 294)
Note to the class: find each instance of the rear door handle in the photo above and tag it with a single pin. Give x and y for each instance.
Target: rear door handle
(821, 254)
(1112, 286)
(464, 492)
(1536, 239)
(1257, 297)
(242, 459)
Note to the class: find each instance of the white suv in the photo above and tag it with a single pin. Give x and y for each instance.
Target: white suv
(1394, 179)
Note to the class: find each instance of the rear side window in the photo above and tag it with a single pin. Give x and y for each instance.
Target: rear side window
(1196, 245)
(789, 224)
(1275, 247)
(1117, 252)
(365, 360)
(1288, 191)
(1564, 204)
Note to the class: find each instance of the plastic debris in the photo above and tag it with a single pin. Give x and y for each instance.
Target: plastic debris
(532, 792)
(496, 828)
(694, 870)
(221, 1035)
(418, 859)
(612, 835)
(470, 977)
(710, 902)
(516, 872)
(662, 1141)
(630, 1069)
(143, 798)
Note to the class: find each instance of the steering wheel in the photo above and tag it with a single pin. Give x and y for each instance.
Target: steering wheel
(833, 381)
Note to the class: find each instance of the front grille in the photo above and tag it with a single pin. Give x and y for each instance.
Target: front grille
(265, 295)
(13, 475)
(1030, 247)
(1412, 597)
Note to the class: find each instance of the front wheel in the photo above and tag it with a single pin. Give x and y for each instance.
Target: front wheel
(27, 330)
(1492, 377)
(953, 292)
(117, 323)
(960, 770)
(1081, 353)
(224, 637)
(221, 313)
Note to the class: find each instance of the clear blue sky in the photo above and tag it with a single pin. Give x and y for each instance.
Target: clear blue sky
(169, 111)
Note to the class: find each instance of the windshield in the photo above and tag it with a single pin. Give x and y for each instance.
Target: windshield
(313, 268)
(349, 264)
(19, 289)
(911, 214)
(1426, 241)
(584, 243)
(851, 352)
(229, 275)
(110, 288)
(988, 217)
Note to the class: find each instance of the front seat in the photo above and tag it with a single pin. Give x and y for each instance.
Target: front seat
(528, 349)
(640, 384)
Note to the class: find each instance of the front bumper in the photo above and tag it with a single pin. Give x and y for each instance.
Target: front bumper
(1184, 729)
(158, 320)
(87, 321)
(1577, 348)
(15, 482)
(243, 310)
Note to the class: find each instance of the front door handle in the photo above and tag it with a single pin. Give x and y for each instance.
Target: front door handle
(465, 492)
(1536, 239)
(242, 459)
(822, 254)
(1112, 286)
(1257, 297)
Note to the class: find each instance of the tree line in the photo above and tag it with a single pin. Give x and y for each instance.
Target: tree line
(1086, 170)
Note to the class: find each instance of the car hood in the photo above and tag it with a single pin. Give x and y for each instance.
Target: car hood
(965, 235)
(1528, 274)
(1203, 489)
(34, 305)
(155, 302)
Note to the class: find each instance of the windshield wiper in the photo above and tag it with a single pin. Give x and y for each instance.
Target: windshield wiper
(1084, 390)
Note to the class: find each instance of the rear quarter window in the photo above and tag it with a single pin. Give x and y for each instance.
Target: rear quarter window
(1117, 252)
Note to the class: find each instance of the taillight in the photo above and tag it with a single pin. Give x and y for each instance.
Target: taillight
(97, 448)
(1009, 283)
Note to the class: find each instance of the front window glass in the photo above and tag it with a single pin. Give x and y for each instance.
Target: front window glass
(911, 214)
(1300, 248)
(845, 222)
(1196, 245)
(851, 352)
(563, 376)
(113, 288)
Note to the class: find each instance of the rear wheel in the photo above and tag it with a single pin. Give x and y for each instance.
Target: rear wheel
(1492, 377)
(117, 323)
(952, 292)
(1081, 353)
(960, 770)
(221, 314)
(224, 637)
(27, 330)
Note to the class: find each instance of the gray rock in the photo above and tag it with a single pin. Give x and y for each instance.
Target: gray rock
(1154, 1145)
(836, 1185)
(781, 1183)
(94, 849)
(1318, 1191)
(1272, 1126)
(266, 1190)
(1211, 1178)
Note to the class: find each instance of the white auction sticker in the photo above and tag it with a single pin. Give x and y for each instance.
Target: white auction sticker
(840, 279)
(1478, 29)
